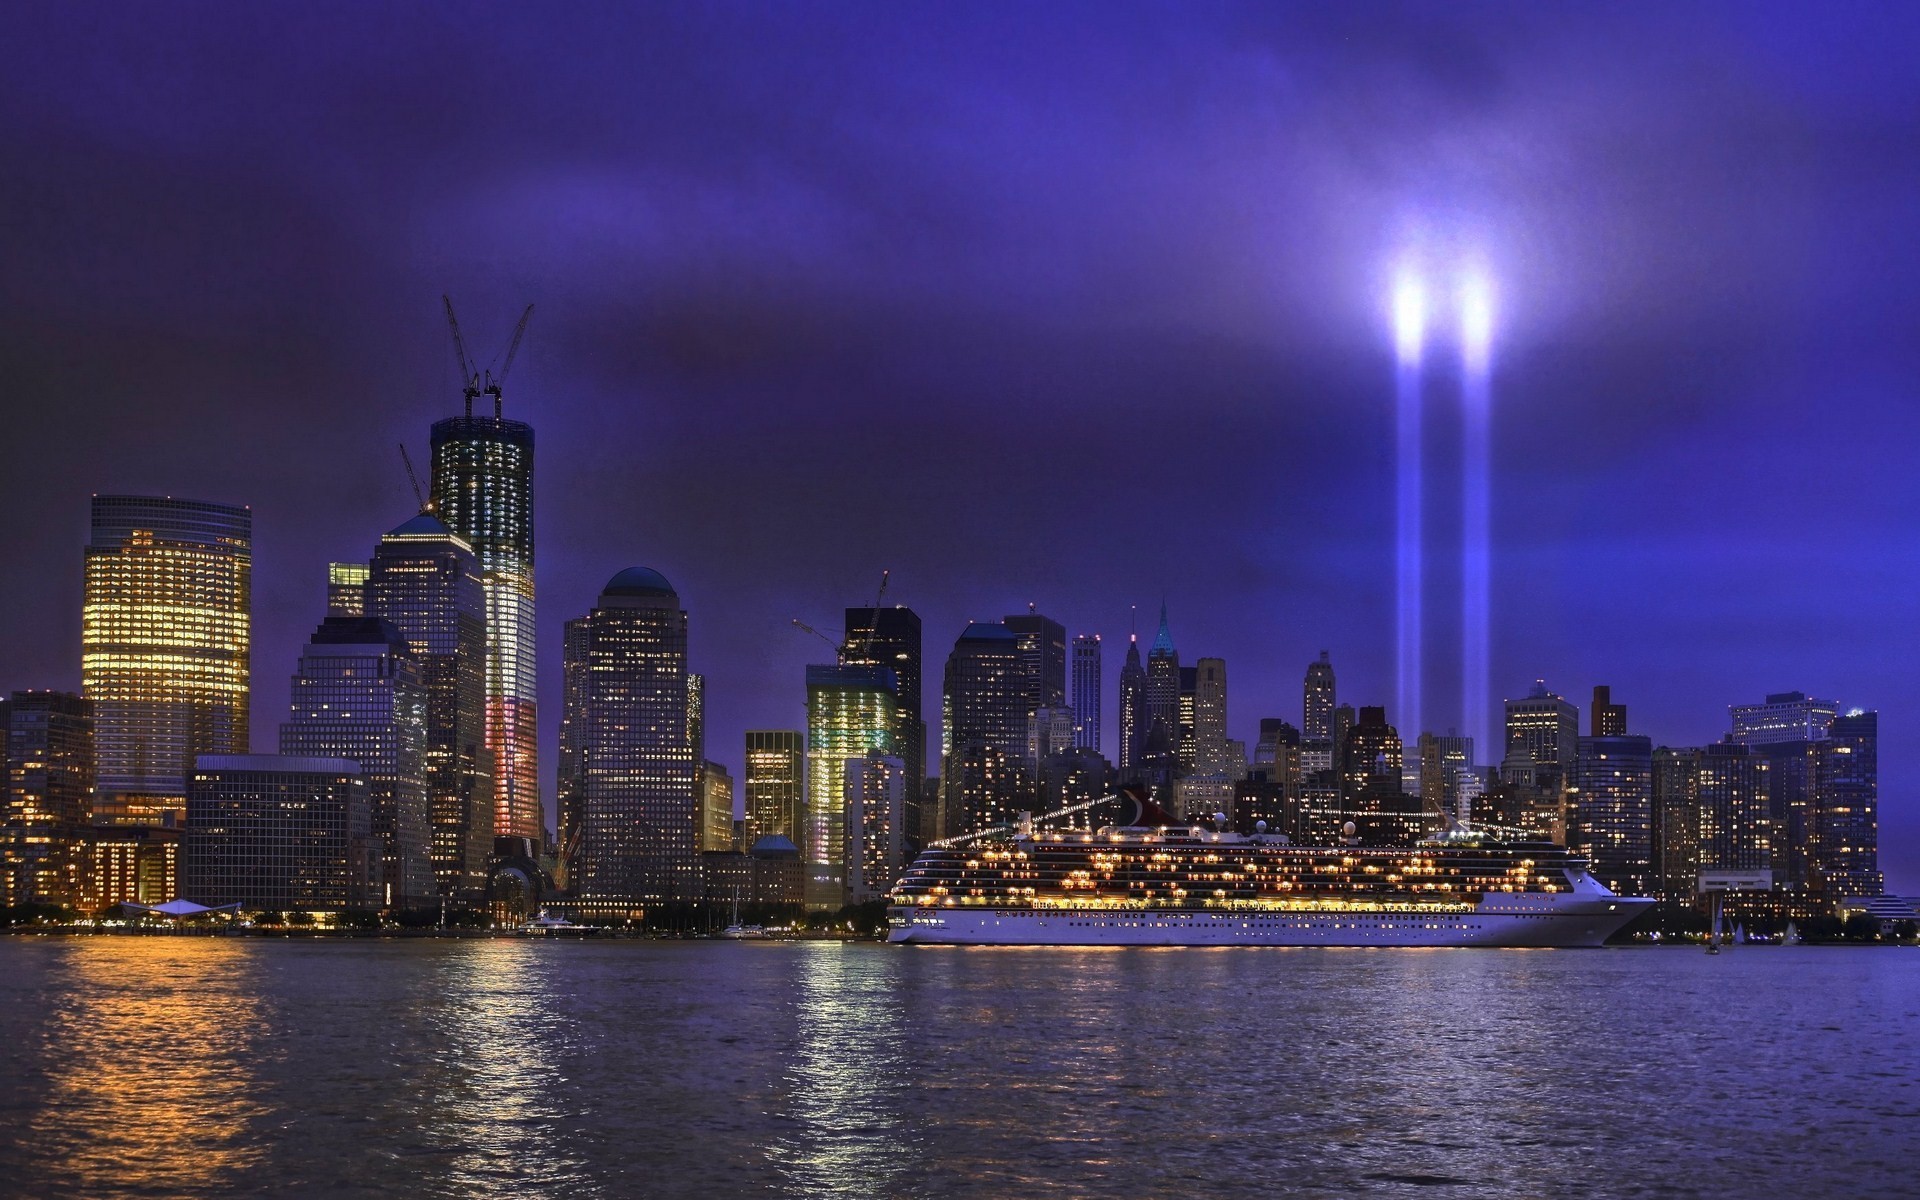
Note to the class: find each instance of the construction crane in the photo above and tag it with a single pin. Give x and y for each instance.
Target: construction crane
(873, 626)
(418, 497)
(799, 624)
(475, 383)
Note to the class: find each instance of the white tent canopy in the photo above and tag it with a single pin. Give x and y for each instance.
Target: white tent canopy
(180, 908)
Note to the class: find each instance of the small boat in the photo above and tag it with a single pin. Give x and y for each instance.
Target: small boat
(743, 933)
(548, 925)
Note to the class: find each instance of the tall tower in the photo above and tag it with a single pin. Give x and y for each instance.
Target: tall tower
(775, 782)
(1316, 726)
(425, 582)
(1043, 650)
(637, 838)
(1163, 686)
(850, 713)
(483, 490)
(1133, 709)
(1086, 692)
(890, 638)
(984, 730)
(166, 645)
(47, 786)
(358, 695)
(1543, 729)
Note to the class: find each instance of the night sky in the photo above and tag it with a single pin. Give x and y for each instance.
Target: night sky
(1083, 306)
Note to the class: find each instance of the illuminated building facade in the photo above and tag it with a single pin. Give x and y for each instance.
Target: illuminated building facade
(1782, 717)
(358, 696)
(347, 589)
(984, 730)
(1212, 752)
(1133, 711)
(876, 811)
(166, 646)
(131, 864)
(716, 807)
(1846, 833)
(1610, 811)
(1049, 731)
(1736, 833)
(282, 833)
(1086, 691)
(483, 491)
(47, 787)
(1382, 812)
(891, 638)
(637, 841)
(425, 582)
(775, 783)
(1163, 692)
(1676, 824)
(1543, 730)
(1317, 701)
(850, 714)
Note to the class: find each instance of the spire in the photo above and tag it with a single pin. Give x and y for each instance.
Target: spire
(1163, 641)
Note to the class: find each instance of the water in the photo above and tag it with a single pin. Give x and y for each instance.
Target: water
(224, 1067)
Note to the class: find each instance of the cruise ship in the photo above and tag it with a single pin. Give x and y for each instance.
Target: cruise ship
(1161, 885)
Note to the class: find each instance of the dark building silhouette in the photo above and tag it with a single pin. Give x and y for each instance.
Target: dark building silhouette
(637, 841)
(1606, 719)
(1163, 698)
(425, 582)
(1043, 650)
(1134, 717)
(280, 833)
(1382, 812)
(891, 638)
(984, 730)
(1086, 691)
(358, 696)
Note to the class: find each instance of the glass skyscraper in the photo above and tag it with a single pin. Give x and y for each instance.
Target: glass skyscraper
(890, 638)
(483, 491)
(775, 784)
(358, 695)
(634, 833)
(166, 646)
(984, 733)
(851, 712)
(268, 831)
(425, 582)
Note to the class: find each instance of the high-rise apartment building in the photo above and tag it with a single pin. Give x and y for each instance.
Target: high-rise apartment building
(1782, 717)
(1736, 833)
(46, 797)
(891, 638)
(984, 728)
(1133, 711)
(1611, 813)
(775, 784)
(851, 713)
(483, 491)
(166, 646)
(1086, 691)
(637, 838)
(358, 695)
(1043, 651)
(280, 833)
(1846, 833)
(425, 582)
(876, 840)
(1676, 824)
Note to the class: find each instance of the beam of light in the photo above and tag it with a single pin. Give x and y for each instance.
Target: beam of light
(1476, 508)
(1409, 329)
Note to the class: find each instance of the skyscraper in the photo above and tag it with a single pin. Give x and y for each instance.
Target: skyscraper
(1735, 832)
(716, 807)
(269, 831)
(1133, 711)
(1212, 754)
(851, 713)
(876, 843)
(637, 842)
(1043, 651)
(984, 728)
(1782, 717)
(425, 582)
(1316, 726)
(1163, 688)
(1846, 834)
(358, 695)
(775, 782)
(47, 789)
(1676, 824)
(1086, 691)
(483, 491)
(1382, 812)
(1543, 730)
(890, 638)
(1611, 814)
(166, 646)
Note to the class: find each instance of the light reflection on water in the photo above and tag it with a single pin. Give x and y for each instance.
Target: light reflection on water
(199, 1067)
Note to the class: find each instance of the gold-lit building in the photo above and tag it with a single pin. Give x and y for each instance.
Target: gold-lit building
(166, 647)
(131, 865)
(47, 786)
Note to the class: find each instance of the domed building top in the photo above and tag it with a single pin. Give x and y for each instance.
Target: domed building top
(640, 587)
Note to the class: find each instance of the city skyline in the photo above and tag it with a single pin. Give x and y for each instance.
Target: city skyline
(751, 387)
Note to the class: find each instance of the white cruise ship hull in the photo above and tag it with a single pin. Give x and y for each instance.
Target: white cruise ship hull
(1530, 920)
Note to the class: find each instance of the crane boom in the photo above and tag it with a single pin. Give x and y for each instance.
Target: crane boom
(418, 497)
(469, 377)
(799, 624)
(513, 348)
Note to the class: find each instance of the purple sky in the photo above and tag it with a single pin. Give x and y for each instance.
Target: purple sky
(1077, 305)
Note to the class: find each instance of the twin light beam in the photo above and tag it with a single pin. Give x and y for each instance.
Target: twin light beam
(1474, 311)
